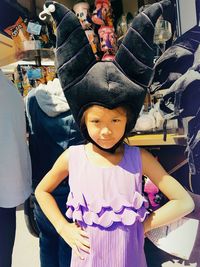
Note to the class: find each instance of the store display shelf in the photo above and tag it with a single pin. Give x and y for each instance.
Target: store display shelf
(157, 139)
(36, 55)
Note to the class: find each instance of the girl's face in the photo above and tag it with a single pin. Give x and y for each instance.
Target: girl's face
(105, 126)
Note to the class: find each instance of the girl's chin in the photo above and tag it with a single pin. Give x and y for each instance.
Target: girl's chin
(106, 143)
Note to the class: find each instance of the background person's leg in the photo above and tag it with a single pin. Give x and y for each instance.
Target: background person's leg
(64, 253)
(54, 251)
(64, 248)
(7, 235)
(48, 240)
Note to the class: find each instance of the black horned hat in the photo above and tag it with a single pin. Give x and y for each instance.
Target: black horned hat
(123, 81)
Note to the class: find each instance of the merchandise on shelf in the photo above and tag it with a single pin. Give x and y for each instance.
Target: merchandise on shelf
(28, 35)
(102, 15)
(26, 77)
(18, 33)
(108, 41)
(82, 11)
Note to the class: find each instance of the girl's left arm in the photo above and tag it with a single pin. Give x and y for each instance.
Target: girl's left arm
(180, 203)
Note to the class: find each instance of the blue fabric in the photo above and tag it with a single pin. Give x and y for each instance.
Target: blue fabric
(49, 137)
(7, 235)
(54, 251)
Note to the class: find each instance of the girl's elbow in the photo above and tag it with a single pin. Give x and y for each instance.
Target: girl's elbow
(37, 193)
(190, 205)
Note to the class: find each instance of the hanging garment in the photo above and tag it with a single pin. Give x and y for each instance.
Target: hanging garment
(193, 144)
(176, 60)
(182, 98)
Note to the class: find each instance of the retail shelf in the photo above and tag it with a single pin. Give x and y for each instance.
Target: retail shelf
(37, 55)
(157, 139)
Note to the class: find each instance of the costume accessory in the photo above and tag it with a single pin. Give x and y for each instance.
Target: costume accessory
(122, 82)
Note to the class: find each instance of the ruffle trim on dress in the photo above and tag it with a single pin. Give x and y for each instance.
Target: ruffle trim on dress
(119, 210)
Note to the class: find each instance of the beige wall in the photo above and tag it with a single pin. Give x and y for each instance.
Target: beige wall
(7, 54)
(40, 3)
(130, 6)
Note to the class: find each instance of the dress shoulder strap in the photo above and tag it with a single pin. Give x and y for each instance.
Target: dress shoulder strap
(75, 164)
(132, 158)
(75, 154)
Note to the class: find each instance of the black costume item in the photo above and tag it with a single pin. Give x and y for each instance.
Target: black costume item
(110, 84)
(193, 144)
(176, 60)
(182, 98)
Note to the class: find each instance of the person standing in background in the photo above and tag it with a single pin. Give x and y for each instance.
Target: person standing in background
(15, 165)
(52, 129)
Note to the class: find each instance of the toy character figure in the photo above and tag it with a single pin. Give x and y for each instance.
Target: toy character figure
(102, 15)
(108, 42)
(81, 10)
(107, 38)
(152, 193)
(93, 40)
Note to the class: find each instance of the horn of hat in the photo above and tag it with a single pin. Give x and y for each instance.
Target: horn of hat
(74, 55)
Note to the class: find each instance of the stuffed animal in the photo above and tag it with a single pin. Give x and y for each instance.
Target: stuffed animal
(81, 10)
(102, 15)
(108, 41)
(152, 193)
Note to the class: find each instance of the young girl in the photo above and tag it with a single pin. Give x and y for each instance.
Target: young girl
(105, 175)
(106, 201)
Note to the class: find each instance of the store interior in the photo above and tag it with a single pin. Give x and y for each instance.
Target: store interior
(27, 53)
(169, 121)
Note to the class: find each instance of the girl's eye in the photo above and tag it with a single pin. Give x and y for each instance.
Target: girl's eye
(94, 121)
(116, 120)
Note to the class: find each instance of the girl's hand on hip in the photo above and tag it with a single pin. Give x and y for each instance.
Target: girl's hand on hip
(76, 238)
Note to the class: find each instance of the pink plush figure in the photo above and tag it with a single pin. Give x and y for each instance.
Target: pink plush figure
(152, 192)
(108, 57)
(108, 42)
(108, 39)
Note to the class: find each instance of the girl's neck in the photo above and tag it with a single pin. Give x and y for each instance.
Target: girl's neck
(102, 158)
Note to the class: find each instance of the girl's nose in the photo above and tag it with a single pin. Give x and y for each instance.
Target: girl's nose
(105, 131)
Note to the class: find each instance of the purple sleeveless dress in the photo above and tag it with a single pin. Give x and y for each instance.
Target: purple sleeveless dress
(107, 202)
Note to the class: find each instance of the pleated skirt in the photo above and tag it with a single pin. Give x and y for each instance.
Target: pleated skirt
(115, 246)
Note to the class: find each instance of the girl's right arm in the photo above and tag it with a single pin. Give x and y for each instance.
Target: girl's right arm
(70, 232)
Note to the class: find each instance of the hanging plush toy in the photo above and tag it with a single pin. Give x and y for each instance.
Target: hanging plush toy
(108, 42)
(94, 41)
(152, 193)
(102, 15)
(81, 10)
